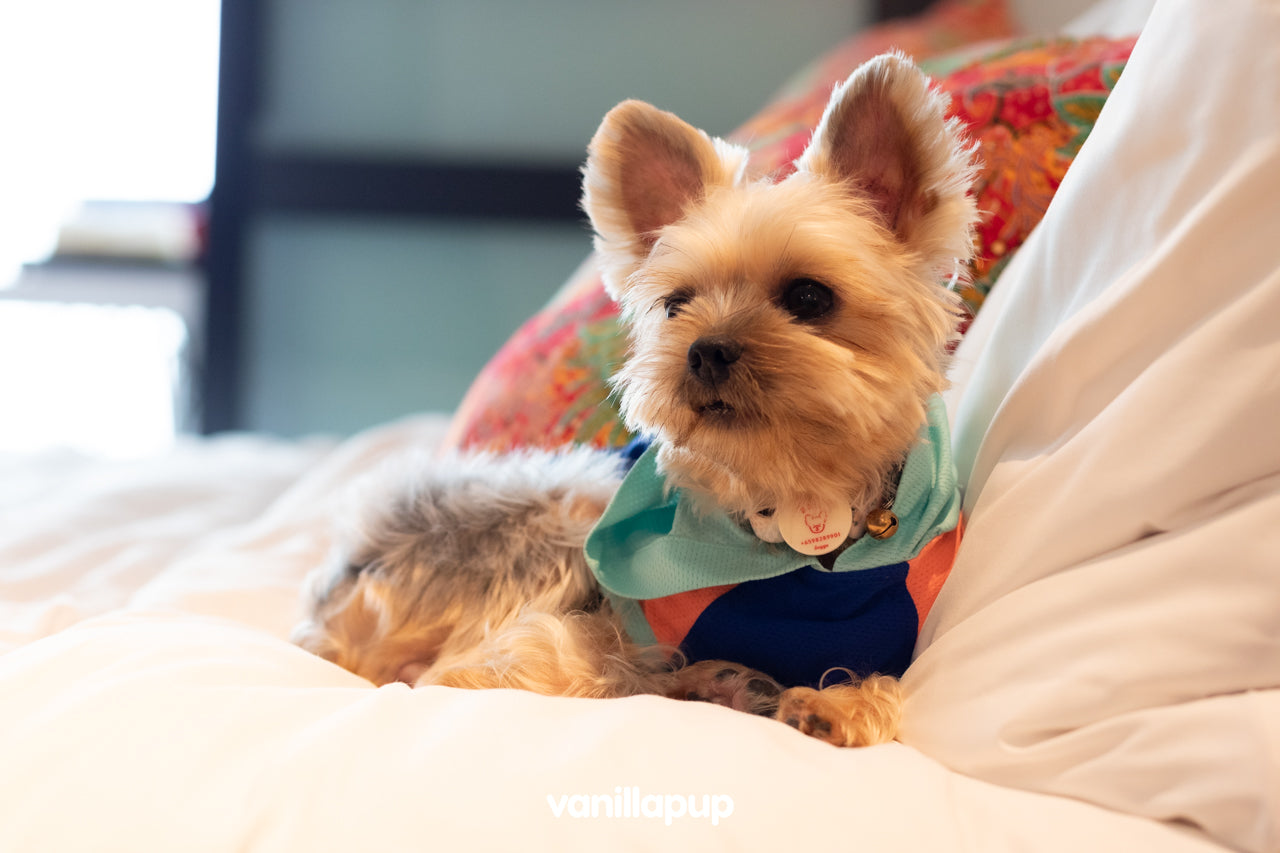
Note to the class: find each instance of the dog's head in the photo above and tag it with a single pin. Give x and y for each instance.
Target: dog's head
(785, 336)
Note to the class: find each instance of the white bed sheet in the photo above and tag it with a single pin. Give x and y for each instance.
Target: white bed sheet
(192, 733)
(1101, 673)
(80, 537)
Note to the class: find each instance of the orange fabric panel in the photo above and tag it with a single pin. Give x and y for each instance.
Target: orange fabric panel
(929, 570)
(672, 616)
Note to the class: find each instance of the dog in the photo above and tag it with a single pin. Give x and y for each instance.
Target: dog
(775, 541)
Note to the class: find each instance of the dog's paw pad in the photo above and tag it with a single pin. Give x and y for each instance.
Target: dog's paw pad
(727, 684)
(805, 709)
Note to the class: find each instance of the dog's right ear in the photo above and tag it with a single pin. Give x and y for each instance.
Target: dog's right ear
(644, 170)
(886, 138)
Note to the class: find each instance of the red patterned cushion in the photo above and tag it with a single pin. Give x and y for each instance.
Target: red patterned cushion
(1029, 104)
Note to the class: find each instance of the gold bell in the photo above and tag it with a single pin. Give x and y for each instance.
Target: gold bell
(881, 523)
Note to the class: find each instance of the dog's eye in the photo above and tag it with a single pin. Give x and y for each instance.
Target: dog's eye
(673, 303)
(806, 299)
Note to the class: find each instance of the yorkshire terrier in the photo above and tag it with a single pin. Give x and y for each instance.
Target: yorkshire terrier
(777, 538)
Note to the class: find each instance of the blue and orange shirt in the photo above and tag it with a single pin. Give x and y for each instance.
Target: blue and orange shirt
(707, 584)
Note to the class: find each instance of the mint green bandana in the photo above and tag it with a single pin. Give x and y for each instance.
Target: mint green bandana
(650, 543)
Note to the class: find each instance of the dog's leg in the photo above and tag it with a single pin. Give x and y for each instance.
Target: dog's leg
(570, 654)
(861, 714)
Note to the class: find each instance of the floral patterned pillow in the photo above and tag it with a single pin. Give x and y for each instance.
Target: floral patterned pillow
(1029, 104)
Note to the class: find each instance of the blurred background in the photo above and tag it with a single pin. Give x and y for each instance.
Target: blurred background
(313, 216)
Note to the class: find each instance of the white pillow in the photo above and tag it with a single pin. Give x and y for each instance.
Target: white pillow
(1111, 630)
(1114, 18)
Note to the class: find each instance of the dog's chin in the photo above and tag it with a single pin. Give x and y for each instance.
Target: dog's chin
(743, 454)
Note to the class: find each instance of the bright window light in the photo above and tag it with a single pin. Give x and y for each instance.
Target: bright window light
(95, 379)
(101, 100)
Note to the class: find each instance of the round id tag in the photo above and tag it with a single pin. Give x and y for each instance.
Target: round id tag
(814, 529)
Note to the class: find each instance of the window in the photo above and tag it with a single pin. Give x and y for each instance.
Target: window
(111, 102)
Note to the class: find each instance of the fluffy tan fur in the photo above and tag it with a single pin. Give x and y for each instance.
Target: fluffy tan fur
(469, 572)
(439, 555)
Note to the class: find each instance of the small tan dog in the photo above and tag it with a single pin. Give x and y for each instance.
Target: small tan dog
(787, 341)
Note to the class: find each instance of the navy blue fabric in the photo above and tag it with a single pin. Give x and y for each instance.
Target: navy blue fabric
(797, 626)
(633, 450)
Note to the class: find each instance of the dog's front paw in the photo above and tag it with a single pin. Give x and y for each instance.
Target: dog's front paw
(804, 708)
(862, 714)
(729, 684)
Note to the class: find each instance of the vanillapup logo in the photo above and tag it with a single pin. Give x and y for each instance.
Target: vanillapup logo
(627, 802)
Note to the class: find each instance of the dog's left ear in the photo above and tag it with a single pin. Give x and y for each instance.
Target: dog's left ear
(645, 169)
(885, 136)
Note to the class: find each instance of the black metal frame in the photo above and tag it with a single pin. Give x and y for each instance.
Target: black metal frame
(239, 57)
(319, 184)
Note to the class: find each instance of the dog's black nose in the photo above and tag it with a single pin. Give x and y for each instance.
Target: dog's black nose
(710, 358)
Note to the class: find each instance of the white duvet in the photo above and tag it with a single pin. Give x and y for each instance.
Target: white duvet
(1101, 673)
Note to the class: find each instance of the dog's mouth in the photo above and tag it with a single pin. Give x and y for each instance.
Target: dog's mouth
(715, 409)
(719, 408)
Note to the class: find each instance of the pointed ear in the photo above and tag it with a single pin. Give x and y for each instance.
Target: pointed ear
(885, 136)
(645, 169)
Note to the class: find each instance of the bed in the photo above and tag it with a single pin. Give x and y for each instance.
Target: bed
(1101, 672)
